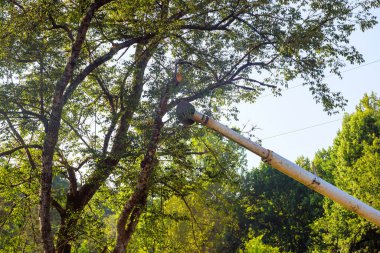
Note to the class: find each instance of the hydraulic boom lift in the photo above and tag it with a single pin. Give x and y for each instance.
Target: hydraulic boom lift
(187, 114)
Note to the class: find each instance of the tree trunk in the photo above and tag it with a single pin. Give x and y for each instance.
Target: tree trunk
(134, 207)
(50, 142)
(105, 166)
(67, 231)
(51, 138)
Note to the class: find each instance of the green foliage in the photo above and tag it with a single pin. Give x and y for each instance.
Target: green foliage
(255, 245)
(355, 168)
(192, 206)
(279, 209)
(18, 208)
(187, 224)
(231, 51)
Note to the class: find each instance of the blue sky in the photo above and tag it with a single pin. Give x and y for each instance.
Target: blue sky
(296, 110)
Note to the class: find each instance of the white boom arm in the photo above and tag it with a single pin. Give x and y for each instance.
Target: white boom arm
(187, 114)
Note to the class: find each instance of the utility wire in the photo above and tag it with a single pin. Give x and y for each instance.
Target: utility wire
(301, 129)
(320, 124)
(360, 66)
(331, 75)
(323, 123)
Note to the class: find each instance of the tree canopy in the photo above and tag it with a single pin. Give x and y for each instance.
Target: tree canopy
(88, 90)
(353, 164)
(280, 209)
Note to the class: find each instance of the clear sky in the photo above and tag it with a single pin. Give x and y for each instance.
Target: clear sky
(296, 110)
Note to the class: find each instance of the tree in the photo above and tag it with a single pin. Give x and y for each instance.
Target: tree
(254, 244)
(353, 163)
(87, 87)
(192, 202)
(280, 209)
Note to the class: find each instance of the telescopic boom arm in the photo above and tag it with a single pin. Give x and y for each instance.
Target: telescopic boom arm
(187, 114)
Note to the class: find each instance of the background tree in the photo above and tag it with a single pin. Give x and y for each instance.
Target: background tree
(353, 163)
(87, 92)
(280, 209)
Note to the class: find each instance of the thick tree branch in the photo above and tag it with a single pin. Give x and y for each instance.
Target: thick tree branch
(11, 151)
(65, 27)
(51, 136)
(58, 207)
(136, 203)
(41, 117)
(99, 61)
(106, 164)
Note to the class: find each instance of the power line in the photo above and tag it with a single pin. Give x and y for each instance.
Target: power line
(331, 75)
(302, 129)
(360, 66)
(323, 123)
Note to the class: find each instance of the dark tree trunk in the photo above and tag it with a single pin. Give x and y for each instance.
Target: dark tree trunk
(134, 207)
(51, 137)
(77, 202)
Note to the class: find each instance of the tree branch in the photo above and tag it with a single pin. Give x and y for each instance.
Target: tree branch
(42, 118)
(20, 139)
(99, 61)
(65, 27)
(77, 133)
(58, 207)
(51, 137)
(110, 130)
(17, 4)
(105, 166)
(133, 208)
(251, 80)
(8, 152)
(106, 92)
(71, 174)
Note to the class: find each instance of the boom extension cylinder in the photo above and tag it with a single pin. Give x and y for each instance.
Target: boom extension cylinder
(187, 114)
